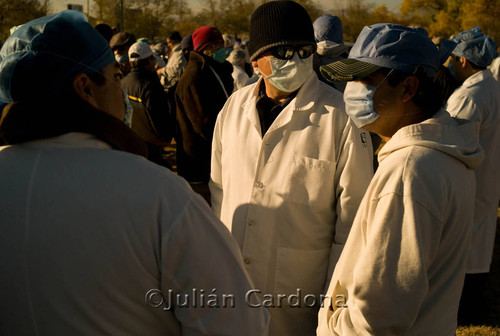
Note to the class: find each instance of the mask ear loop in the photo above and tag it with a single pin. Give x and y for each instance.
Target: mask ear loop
(414, 72)
(383, 80)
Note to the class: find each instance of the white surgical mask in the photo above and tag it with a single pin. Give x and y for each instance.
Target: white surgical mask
(289, 75)
(358, 98)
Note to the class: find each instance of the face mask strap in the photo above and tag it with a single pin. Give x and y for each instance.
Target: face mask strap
(383, 80)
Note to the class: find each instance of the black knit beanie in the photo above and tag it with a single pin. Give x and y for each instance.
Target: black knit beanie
(278, 23)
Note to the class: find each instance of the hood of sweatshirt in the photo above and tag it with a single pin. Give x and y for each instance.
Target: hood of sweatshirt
(458, 138)
(332, 49)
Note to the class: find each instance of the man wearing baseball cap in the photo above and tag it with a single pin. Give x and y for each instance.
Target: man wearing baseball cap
(403, 266)
(288, 169)
(96, 240)
(154, 123)
(478, 99)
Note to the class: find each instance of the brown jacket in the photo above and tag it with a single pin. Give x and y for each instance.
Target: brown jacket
(199, 97)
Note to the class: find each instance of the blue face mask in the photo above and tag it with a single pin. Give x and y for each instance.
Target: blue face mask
(219, 55)
(358, 98)
(453, 73)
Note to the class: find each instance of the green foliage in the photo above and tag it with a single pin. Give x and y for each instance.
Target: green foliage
(154, 19)
(16, 12)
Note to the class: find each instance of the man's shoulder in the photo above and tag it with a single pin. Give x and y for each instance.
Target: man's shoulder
(135, 174)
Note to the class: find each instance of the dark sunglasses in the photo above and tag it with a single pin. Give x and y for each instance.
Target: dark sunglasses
(285, 52)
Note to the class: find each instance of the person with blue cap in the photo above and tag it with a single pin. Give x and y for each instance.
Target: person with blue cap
(96, 240)
(402, 268)
(478, 99)
(329, 37)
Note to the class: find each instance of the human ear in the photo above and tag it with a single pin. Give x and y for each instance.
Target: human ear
(463, 62)
(84, 89)
(409, 88)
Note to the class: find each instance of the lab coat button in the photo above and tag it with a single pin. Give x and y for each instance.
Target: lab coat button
(251, 223)
(247, 261)
(259, 185)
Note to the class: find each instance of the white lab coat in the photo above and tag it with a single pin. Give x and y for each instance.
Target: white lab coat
(175, 66)
(90, 236)
(240, 77)
(403, 266)
(478, 99)
(289, 197)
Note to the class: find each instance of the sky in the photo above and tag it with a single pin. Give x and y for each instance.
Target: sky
(392, 5)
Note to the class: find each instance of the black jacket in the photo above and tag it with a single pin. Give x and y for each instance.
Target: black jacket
(146, 86)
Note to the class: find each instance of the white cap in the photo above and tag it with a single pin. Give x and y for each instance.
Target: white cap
(139, 51)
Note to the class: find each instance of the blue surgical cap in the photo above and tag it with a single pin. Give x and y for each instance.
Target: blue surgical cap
(445, 49)
(475, 47)
(328, 28)
(42, 57)
(396, 47)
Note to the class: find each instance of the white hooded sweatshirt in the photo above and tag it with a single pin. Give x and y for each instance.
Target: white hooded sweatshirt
(478, 99)
(401, 271)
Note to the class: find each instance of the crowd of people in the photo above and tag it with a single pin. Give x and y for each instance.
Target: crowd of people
(277, 220)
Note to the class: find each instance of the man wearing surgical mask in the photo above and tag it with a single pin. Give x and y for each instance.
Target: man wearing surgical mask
(288, 169)
(403, 265)
(203, 88)
(478, 99)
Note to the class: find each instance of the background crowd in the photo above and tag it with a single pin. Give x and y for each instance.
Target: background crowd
(365, 172)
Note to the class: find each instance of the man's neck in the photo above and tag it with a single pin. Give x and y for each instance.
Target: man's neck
(468, 72)
(274, 94)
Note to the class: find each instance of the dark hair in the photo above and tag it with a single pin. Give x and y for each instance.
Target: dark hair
(476, 67)
(472, 64)
(429, 96)
(140, 64)
(105, 30)
(447, 82)
(175, 36)
(97, 77)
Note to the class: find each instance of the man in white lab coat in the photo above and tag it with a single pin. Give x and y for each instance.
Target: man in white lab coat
(288, 170)
(478, 99)
(403, 265)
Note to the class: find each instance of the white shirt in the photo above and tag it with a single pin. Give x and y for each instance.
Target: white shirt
(92, 237)
(240, 77)
(478, 99)
(403, 266)
(289, 197)
(175, 66)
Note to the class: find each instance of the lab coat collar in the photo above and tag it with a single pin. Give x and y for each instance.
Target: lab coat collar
(303, 102)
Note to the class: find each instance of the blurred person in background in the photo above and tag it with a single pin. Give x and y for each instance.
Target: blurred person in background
(187, 46)
(176, 63)
(478, 99)
(105, 30)
(329, 36)
(143, 86)
(237, 59)
(120, 44)
(203, 88)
